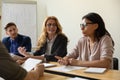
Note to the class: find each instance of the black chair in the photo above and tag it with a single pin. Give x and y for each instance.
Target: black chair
(115, 63)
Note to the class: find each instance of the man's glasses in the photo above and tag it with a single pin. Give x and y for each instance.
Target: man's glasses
(49, 25)
(85, 24)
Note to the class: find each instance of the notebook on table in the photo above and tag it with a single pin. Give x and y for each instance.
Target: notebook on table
(49, 65)
(95, 70)
(30, 63)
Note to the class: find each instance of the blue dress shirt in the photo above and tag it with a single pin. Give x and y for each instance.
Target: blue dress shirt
(20, 40)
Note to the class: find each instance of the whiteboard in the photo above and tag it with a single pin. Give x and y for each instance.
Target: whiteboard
(24, 16)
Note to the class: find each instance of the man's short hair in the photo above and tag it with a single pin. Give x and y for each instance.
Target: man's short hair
(9, 24)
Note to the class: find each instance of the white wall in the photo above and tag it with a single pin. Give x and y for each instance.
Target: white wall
(0, 15)
(70, 12)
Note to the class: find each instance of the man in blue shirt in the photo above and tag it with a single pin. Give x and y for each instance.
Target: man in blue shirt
(15, 40)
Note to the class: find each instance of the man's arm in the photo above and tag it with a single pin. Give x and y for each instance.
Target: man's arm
(35, 73)
(9, 68)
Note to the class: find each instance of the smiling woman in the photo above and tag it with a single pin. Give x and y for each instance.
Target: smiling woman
(52, 41)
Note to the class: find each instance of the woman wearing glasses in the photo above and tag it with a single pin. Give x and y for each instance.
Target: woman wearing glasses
(52, 42)
(95, 49)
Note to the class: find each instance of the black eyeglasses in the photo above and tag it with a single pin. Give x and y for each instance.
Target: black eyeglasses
(49, 25)
(85, 24)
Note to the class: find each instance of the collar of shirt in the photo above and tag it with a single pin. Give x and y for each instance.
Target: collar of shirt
(52, 40)
(49, 45)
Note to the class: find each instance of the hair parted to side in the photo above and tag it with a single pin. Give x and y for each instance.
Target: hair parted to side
(10, 24)
(42, 38)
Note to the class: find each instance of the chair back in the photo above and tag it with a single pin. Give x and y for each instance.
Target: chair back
(115, 63)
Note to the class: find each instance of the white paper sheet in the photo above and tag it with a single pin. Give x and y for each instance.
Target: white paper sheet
(67, 68)
(77, 78)
(1, 78)
(30, 63)
(49, 65)
(95, 70)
